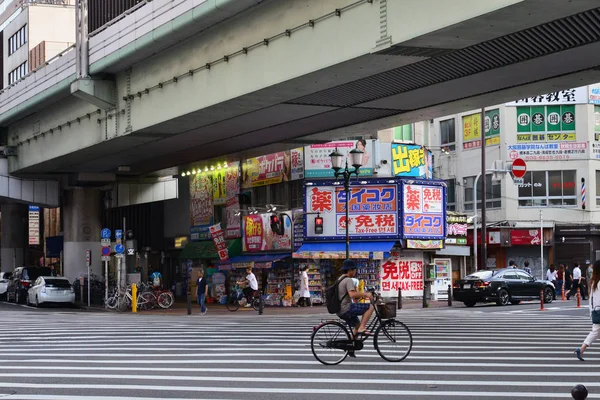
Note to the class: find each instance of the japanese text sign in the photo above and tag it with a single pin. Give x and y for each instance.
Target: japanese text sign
(318, 161)
(472, 129)
(232, 202)
(456, 228)
(266, 170)
(201, 206)
(567, 96)
(253, 233)
(373, 210)
(424, 211)
(546, 124)
(219, 238)
(402, 271)
(548, 151)
(410, 160)
(258, 235)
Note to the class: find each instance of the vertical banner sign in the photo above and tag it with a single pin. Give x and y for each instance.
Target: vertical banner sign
(232, 204)
(219, 177)
(402, 270)
(596, 143)
(472, 127)
(373, 211)
(201, 206)
(253, 233)
(424, 211)
(219, 238)
(34, 225)
(410, 160)
(298, 227)
(297, 163)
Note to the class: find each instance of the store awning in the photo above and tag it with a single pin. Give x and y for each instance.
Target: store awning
(364, 250)
(208, 251)
(258, 261)
(463, 251)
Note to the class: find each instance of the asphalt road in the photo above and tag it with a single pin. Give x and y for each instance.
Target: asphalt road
(486, 352)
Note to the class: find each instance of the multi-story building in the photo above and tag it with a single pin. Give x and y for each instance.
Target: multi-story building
(556, 134)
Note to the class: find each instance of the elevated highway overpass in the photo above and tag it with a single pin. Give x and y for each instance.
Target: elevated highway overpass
(186, 80)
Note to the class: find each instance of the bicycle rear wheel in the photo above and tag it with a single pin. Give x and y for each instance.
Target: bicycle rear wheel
(393, 340)
(165, 300)
(146, 301)
(330, 343)
(111, 302)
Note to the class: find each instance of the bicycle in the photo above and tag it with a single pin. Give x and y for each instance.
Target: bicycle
(236, 299)
(332, 341)
(122, 302)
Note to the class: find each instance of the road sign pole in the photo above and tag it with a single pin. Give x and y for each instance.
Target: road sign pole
(105, 282)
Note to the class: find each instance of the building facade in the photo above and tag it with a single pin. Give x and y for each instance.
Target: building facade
(557, 135)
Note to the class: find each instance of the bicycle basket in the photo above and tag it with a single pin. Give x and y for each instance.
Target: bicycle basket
(387, 310)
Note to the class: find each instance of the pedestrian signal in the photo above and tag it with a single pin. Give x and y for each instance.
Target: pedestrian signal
(318, 225)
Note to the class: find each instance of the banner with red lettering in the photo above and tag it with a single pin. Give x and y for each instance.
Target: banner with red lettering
(424, 208)
(232, 201)
(402, 270)
(218, 237)
(258, 235)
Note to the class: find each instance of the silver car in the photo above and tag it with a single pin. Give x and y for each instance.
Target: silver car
(4, 278)
(51, 289)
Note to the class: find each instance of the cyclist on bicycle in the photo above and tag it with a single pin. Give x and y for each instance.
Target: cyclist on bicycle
(350, 311)
(251, 286)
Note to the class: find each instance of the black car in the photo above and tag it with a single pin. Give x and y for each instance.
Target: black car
(21, 280)
(503, 286)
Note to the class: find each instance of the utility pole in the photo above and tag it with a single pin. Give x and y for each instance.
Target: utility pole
(483, 194)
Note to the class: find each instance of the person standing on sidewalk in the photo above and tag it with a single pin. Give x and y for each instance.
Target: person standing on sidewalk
(576, 281)
(202, 292)
(594, 305)
(304, 300)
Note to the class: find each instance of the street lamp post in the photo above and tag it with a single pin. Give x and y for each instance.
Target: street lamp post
(336, 164)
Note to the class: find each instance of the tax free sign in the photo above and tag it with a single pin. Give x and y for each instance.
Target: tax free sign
(378, 209)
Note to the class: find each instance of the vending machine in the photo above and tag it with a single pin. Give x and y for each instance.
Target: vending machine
(442, 277)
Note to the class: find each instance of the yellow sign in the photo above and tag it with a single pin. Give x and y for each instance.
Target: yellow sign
(546, 137)
(471, 127)
(492, 141)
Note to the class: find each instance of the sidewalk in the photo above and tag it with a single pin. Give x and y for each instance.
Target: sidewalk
(180, 308)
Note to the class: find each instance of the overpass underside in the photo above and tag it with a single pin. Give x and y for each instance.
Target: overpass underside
(286, 70)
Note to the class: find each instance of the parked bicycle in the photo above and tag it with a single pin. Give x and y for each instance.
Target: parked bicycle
(236, 299)
(332, 341)
(146, 300)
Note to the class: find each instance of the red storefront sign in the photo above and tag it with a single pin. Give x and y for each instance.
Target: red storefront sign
(219, 238)
(253, 233)
(525, 237)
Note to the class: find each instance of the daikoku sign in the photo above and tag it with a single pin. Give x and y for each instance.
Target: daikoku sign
(377, 209)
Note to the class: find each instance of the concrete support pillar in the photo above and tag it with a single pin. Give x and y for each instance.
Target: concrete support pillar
(14, 241)
(82, 218)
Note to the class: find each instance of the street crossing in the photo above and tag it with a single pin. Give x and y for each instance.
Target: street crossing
(457, 353)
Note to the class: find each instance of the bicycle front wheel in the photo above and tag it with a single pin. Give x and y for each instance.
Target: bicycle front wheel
(233, 305)
(330, 343)
(393, 340)
(165, 300)
(146, 301)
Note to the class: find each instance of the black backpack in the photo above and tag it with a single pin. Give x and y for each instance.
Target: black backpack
(332, 296)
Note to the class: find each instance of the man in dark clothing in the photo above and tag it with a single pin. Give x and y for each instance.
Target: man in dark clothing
(202, 291)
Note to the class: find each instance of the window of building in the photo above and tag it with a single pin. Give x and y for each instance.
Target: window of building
(598, 188)
(18, 73)
(451, 194)
(260, 196)
(17, 40)
(403, 133)
(279, 194)
(448, 134)
(493, 190)
(296, 194)
(548, 188)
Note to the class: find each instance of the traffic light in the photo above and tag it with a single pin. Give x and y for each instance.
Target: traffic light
(318, 225)
(129, 235)
(277, 224)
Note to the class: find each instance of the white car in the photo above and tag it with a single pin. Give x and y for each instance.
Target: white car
(51, 289)
(4, 278)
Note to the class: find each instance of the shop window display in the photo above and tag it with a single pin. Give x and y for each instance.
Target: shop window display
(279, 287)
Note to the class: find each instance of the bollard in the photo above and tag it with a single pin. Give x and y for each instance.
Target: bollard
(579, 392)
(399, 298)
(133, 297)
(449, 295)
(542, 300)
(563, 290)
(425, 305)
(578, 298)
(261, 305)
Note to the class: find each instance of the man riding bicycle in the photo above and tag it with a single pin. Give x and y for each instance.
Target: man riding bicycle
(350, 311)
(250, 286)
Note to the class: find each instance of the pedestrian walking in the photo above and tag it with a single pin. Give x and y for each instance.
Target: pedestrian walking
(526, 267)
(511, 264)
(594, 311)
(304, 299)
(551, 275)
(576, 281)
(560, 281)
(568, 278)
(202, 292)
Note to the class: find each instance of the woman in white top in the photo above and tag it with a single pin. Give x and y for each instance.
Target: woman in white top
(304, 299)
(594, 304)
